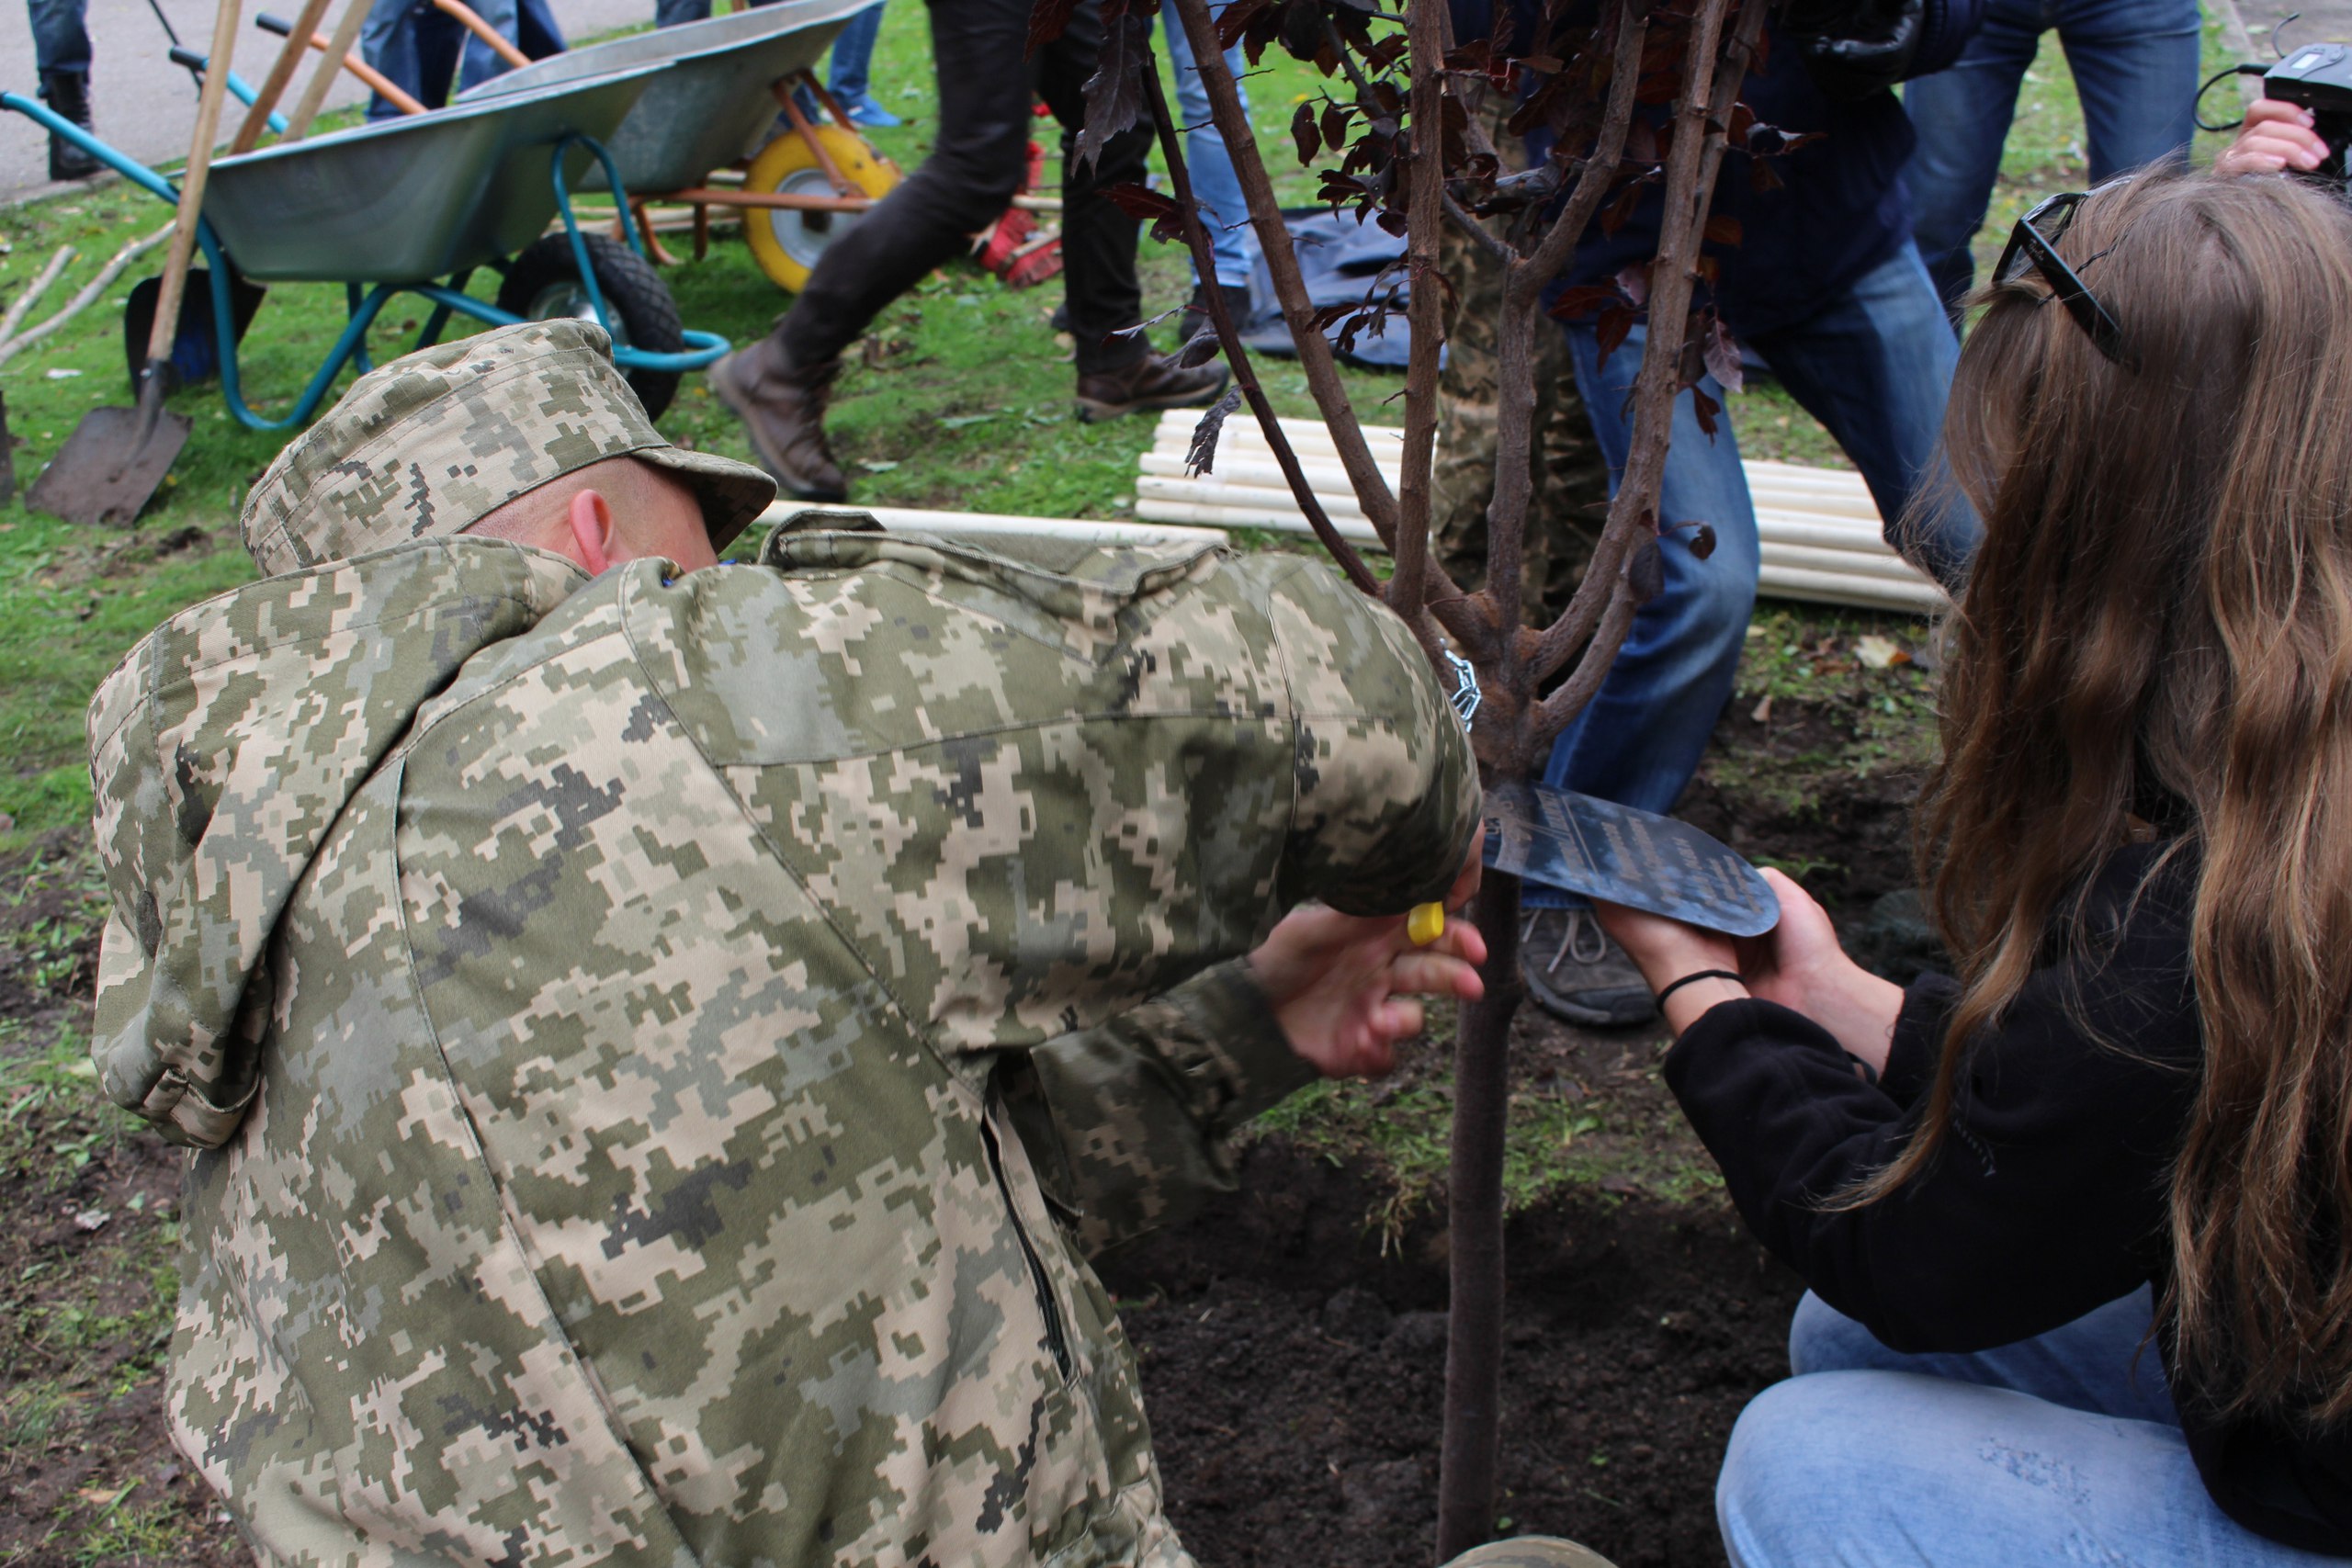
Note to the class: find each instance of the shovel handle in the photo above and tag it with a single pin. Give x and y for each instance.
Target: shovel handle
(281, 72)
(470, 19)
(199, 165)
(376, 80)
(314, 91)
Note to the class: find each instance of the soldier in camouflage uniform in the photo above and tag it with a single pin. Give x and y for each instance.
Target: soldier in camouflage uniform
(658, 1048)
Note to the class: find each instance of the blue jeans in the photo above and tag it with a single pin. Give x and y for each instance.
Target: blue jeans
(1214, 185)
(2134, 63)
(2064, 1447)
(854, 54)
(1874, 367)
(61, 35)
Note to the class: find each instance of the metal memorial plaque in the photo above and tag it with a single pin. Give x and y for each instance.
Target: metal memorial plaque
(1634, 858)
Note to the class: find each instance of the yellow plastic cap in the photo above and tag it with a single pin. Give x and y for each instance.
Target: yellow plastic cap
(1425, 924)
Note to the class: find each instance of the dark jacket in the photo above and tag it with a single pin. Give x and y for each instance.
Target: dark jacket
(2049, 1198)
(1840, 207)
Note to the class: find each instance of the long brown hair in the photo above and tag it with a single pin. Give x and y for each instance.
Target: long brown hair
(2162, 609)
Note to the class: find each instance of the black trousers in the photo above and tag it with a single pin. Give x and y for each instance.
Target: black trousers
(976, 165)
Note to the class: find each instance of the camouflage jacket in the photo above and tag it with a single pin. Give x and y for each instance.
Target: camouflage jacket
(660, 1050)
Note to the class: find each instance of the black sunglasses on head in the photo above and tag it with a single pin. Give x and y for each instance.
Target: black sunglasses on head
(2034, 243)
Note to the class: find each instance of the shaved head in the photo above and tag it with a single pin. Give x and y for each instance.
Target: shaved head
(616, 510)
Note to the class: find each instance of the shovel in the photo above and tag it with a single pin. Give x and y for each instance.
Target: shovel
(116, 457)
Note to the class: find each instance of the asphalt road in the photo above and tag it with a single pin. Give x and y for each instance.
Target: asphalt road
(146, 106)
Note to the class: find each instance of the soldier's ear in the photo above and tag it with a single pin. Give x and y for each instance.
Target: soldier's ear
(592, 531)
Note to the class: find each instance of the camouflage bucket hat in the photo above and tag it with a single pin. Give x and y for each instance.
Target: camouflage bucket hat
(436, 440)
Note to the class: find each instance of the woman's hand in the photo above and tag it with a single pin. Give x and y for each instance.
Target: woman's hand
(1799, 964)
(1666, 950)
(1343, 985)
(2275, 136)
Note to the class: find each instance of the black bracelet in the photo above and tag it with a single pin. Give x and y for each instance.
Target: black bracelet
(1674, 986)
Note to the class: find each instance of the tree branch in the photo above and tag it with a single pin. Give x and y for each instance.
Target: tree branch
(1424, 213)
(1245, 375)
(1463, 616)
(1691, 164)
(1523, 282)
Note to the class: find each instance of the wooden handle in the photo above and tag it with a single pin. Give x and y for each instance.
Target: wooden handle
(281, 72)
(314, 92)
(471, 21)
(199, 164)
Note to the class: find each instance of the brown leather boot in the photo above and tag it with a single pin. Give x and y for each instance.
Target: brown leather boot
(783, 410)
(1152, 382)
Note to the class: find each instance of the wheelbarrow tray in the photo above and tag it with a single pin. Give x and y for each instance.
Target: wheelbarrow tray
(414, 199)
(712, 97)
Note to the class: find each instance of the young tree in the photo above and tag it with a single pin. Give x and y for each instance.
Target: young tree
(1632, 95)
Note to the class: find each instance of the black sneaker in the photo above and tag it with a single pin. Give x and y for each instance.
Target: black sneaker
(1575, 972)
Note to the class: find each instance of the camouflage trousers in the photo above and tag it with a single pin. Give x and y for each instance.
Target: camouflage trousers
(1570, 500)
(1530, 1551)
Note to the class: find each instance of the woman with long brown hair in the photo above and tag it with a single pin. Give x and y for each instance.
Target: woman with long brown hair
(2078, 1224)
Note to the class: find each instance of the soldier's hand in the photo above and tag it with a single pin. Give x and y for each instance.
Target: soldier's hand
(1344, 986)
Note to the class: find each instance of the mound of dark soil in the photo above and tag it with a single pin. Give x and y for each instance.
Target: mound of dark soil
(1295, 1374)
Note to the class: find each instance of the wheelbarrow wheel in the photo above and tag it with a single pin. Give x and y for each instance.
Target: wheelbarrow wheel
(786, 242)
(544, 285)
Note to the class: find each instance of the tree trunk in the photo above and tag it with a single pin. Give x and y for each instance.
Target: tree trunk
(1465, 1492)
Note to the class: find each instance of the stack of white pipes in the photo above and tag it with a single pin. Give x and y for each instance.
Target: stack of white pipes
(1818, 527)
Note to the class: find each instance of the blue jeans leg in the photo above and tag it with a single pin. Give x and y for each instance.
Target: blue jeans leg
(2062, 1449)
(2134, 63)
(1875, 368)
(854, 54)
(1215, 183)
(61, 35)
(1963, 114)
(1640, 738)
(671, 13)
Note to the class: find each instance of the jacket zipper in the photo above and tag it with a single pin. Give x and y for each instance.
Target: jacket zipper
(1056, 1339)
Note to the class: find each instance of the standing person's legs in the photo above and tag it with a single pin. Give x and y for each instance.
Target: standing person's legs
(852, 59)
(1640, 738)
(1875, 367)
(2134, 63)
(1962, 116)
(61, 56)
(1215, 183)
(2059, 1449)
(1116, 374)
(779, 386)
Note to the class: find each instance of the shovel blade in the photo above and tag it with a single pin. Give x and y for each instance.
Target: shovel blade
(105, 472)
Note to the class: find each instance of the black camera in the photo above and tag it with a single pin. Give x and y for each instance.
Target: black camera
(2318, 76)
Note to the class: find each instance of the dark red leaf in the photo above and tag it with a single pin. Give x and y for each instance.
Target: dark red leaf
(1706, 409)
(1199, 349)
(1141, 202)
(1645, 571)
(1201, 456)
(1392, 222)
(1235, 19)
(1722, 228)
(1335, 125)
(1618, 212)
(1114, 93)
(1047, 20)
(1301, 30)
(1702, 541)
(1762, 176)
(1305, 133)
(1584, 301)
(1609, 332)
(1722, 351)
